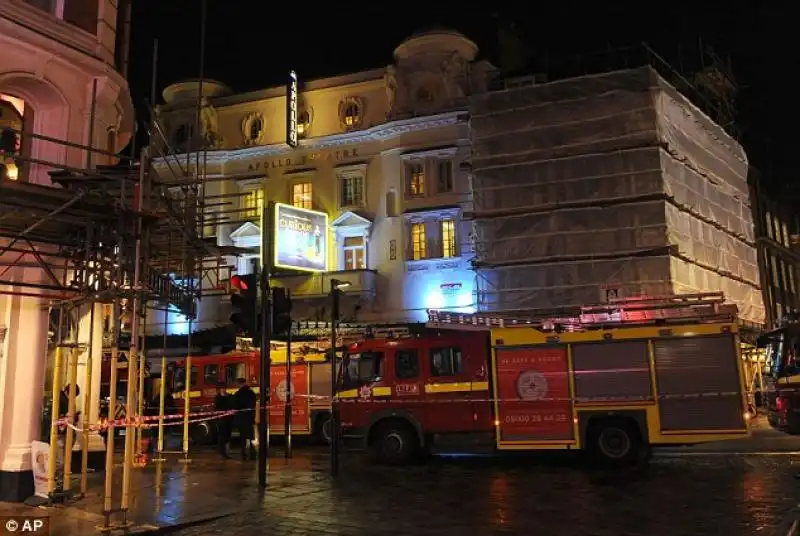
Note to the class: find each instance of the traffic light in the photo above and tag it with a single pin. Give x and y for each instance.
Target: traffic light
(281, 311)
(244, 302)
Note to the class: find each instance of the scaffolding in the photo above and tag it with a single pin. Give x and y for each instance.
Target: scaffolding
(119, 234)
(611, 184)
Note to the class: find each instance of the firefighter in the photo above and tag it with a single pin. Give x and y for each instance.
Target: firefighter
(222, 402)
(244, 402)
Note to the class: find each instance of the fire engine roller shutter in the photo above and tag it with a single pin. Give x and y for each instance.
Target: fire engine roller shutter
(611, 371)
(320, 381)
(694, 376)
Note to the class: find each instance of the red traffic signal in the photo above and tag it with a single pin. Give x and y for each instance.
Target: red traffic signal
(238, 282)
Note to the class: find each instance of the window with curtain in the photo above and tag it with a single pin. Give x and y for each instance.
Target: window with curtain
(301, 195)
(416, 179)
(448, 238)
(419, 247)
(253, 202)
(352, 191)
(444, 181)
(355, 253)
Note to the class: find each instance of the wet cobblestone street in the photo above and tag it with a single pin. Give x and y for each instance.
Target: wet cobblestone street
(730, 495)
(681, 493)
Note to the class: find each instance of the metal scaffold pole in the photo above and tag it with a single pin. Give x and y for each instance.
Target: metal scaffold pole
(52, 459)
(133, 353)
(266, 337)
(72, 393)
(287, 415)
(87, 405)
(108, 484)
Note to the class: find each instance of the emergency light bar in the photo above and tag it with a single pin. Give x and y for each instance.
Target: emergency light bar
(687, 308)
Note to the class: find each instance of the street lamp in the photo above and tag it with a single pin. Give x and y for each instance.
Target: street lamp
(336, 288)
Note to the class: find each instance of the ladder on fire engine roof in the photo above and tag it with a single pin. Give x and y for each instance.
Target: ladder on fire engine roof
(642, 311)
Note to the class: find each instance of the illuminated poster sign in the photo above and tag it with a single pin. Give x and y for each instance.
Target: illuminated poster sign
(291, 110)
(301, 239)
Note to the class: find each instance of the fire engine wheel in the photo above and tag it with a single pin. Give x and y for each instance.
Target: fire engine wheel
(202, 434)
(393, 443)
(616, 442)
(322, 429)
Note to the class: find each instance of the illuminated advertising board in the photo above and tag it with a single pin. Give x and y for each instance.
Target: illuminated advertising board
(291, 110)
(301, 239)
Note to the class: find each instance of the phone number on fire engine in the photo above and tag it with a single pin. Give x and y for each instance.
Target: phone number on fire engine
(525, 419)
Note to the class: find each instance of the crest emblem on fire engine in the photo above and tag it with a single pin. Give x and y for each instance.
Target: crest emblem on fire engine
(280, 391)
(532, 385)
(365, 392)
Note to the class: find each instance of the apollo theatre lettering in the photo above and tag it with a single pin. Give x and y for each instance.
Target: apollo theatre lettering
(303, 160)
(291, 110)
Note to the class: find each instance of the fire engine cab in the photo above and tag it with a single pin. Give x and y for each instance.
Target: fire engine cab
(613, 379)
(782, 346)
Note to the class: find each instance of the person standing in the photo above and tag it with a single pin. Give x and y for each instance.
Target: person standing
(244, 401)
(222, 402)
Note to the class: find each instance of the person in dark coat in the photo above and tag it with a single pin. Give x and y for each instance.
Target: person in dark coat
(244, 401)
(222, 402)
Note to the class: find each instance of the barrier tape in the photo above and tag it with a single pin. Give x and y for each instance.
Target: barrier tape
(175, 419)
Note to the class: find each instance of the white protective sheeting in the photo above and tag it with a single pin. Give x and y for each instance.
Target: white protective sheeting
(611, 180)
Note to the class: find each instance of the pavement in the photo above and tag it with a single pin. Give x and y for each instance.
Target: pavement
(705, 491)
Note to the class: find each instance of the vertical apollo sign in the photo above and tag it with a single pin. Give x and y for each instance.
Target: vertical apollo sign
(291, 110)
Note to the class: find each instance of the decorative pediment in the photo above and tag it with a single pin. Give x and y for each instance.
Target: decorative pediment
(351, 219)
(247, 236)
(351, 224)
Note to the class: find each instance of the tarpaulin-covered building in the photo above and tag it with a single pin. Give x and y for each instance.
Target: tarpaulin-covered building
(611, 185)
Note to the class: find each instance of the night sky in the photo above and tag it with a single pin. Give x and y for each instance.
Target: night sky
(250, 47)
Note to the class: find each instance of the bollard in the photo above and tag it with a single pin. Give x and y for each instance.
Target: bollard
(70, 433)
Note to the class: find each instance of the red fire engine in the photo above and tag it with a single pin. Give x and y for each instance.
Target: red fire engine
(311, 385)
(613, 379)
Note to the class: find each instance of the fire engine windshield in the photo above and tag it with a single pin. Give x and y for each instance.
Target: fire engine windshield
(362, 368)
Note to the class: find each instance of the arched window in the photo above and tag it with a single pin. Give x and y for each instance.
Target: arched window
(11, 127)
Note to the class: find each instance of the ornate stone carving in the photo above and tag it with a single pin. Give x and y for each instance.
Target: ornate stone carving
(209, 122)
(390, 81)
(351, 112)
(305, 118)
(253, 129)
(454, 71)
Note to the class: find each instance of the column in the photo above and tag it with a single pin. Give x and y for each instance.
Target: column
(25, 351)
(85, 330)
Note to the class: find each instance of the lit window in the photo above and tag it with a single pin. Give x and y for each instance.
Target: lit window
(352, 191)
(416, 179)
(253, 202)
(444, 181)
(448, 238)
(301, 195)
(355, 253)
(419, 247)
(351, 115)
(303, 123)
